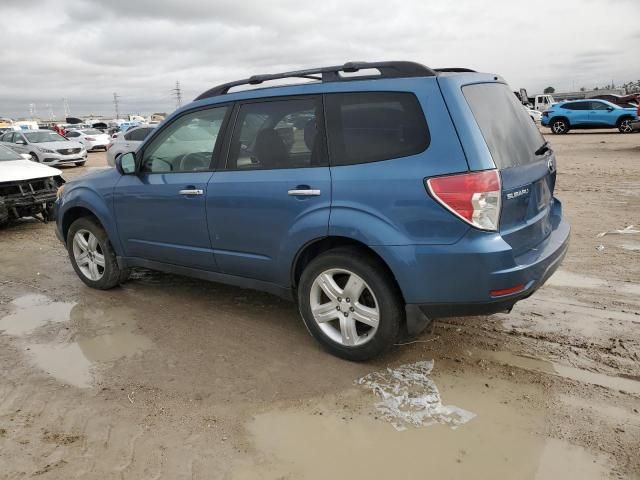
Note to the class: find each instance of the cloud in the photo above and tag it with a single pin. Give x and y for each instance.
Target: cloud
(85, 50)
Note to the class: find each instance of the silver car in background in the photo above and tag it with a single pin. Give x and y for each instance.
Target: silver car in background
(46, 146)
(125, 142)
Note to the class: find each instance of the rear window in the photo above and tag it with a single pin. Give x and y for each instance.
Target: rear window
(507, 128)
(374, 126)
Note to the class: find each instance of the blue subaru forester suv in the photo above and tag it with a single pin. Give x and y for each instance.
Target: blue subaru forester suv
(378, 196)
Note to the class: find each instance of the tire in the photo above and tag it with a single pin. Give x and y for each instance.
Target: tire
(624, 125)
(342, 331)
(80, 164)
(34, 157)
(109, 275)
(559, 126)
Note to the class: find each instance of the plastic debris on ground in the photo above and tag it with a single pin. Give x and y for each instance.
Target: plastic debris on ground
(410, 398)
(625, 231)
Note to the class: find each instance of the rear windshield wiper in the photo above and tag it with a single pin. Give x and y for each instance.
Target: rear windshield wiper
(544, 148)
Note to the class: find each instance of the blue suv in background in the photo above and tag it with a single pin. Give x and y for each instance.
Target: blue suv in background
(377, 200)
(586, 114)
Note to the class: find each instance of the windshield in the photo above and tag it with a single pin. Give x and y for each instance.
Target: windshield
(507, 129)
(8, 154)
(92, 131)
(43, 137)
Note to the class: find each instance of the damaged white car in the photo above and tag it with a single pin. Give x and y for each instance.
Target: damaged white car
(27, 189)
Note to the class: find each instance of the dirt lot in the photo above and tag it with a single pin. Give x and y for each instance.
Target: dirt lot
(174, 378)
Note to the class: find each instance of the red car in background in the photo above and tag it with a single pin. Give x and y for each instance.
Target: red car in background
(625, 101)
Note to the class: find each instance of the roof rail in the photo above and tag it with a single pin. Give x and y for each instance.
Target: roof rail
(332, 74)
(453, 70)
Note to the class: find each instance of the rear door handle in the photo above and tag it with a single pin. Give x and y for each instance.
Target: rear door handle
(308, 192)
(191, 191)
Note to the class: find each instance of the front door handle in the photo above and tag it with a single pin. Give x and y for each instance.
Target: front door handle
(307, 192)
(191, 191)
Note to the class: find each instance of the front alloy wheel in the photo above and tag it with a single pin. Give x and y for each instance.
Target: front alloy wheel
(88, 255)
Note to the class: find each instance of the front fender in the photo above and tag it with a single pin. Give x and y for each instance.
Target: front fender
(84, 197)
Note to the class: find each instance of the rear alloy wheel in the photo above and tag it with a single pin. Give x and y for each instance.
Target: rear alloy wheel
(559, 126)
(350, 304)
(624, 125)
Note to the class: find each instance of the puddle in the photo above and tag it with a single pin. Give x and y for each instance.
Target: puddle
(323, 440)
(572, 373)
(408, 397)
(563, 278)
(631, 246)
(32, 312)
(94, 336)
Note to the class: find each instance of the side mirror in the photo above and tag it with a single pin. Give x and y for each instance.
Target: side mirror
(20, 142)
(126, 163)
(610, 109)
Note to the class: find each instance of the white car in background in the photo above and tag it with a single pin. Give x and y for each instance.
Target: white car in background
(45, 146)
(535, 115)
(126, 142)
(28, 188)
(91, 138)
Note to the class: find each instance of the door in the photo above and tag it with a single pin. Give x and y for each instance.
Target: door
(160, 211)
(602, 113)
(274, 193)
(578, 112)
(22, 147)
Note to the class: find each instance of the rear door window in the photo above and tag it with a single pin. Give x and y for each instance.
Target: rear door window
(374, 126)
(275, 134)
(137, 135)
(510, 135)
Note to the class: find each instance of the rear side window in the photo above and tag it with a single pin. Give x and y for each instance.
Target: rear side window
(137, 135)
(278, 134)
(510, 135)
(374, 126)
(577, 106)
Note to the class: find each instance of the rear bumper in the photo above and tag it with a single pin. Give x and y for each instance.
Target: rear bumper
(456, 280)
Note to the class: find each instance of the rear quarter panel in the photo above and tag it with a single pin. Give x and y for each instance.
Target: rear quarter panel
(385, 202)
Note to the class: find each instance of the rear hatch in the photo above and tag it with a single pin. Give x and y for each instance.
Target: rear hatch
(526, 164)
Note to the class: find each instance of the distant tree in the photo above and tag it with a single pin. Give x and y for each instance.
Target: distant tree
(549, 90)
(582, 89)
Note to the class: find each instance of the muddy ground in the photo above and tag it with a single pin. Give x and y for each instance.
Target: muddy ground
(173, 378)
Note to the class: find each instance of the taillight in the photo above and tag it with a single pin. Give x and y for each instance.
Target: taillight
(474, 197)
(545, 114)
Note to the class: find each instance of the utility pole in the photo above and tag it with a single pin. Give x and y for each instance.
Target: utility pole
(116, 103)
(32, 110)
(177, 92)
(51, 117)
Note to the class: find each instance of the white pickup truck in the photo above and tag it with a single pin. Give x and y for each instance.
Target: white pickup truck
(540, 102)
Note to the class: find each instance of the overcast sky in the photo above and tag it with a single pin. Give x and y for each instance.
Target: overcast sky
(85, 50)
